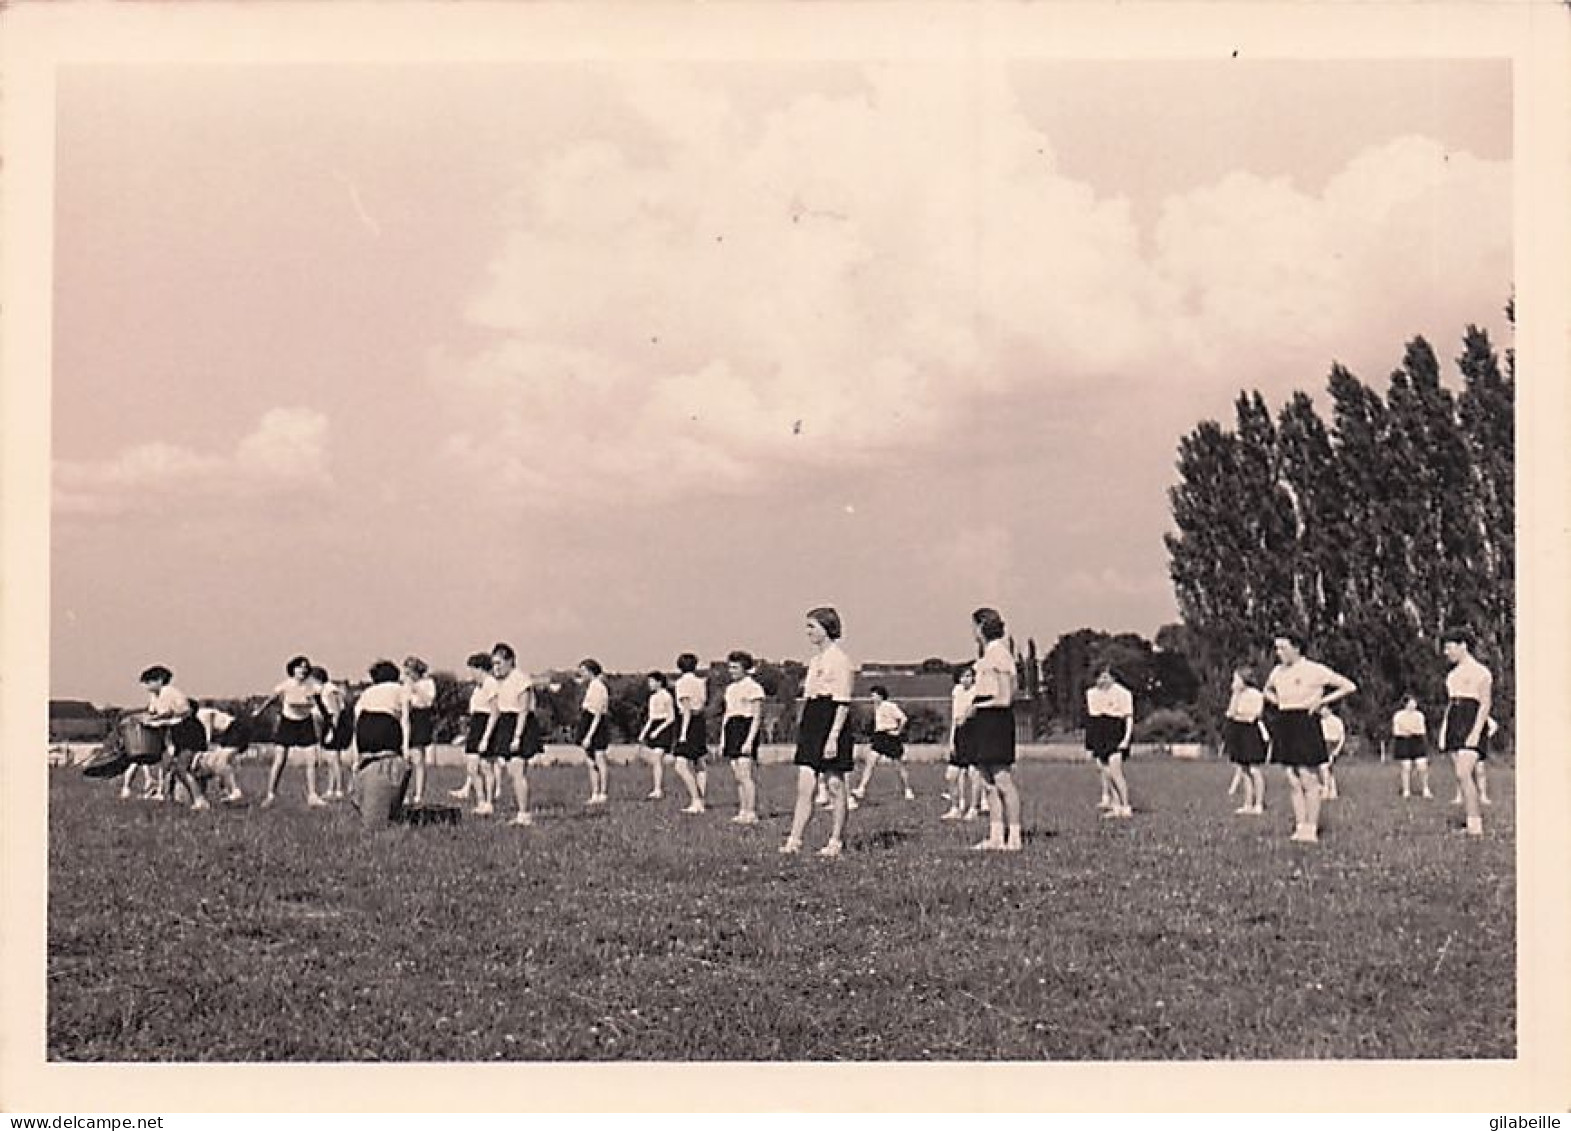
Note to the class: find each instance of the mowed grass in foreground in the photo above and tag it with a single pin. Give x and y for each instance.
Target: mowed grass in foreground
(639, 933)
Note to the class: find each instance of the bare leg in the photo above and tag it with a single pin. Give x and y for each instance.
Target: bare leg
(806, 781)
(275, 774)
(838, 809)
(518, 772)
(1466, 763)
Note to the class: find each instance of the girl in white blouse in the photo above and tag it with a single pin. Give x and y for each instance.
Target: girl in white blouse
(991, 723)
(658, 735)
(744, 706)
(422, 722)
(1244, 739)
(823, 746)
(297, 728)
(482, 702)
(1464, 732)
(594, 728)
(1410, 745)
(692, 733)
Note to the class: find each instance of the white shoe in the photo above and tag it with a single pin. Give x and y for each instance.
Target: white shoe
(459, 794)
(910, 795)
(1104, 804)
(653, 795)
(125, 793)
(1258, 811)
(988, 845)
(1305, 835)
(694, 807)
(200, 805)
(233, 796)
(1428, 796)
(1126, 812)
(1457, 800)
(745, 819)
(597, 799)
(1013, 844)
(951, 814)
(1485, 801)
(852, 803)
(1245, 809)
(1475, 826)
(830, 850)
(315, 801)
(269, 801)
(484, 809)
(970, 815)
(860, 792)
(523, 820)
(790, 848)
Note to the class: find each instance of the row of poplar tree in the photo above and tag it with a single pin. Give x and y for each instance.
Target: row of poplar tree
(1371, 532)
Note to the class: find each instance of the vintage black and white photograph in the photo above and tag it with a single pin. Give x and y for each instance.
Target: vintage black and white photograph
(783, 556)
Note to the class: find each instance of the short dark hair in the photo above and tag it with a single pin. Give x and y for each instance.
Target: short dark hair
(384, 671)
(1456, 634)
(879, 690)
(481, 660)
(1406, 695)
(319, 673)
(1247, 674)
(416, 665)
(592, 666)
(660, 678)
(1296, 639)
(962, 670)
(295, 662)
(157, 672)
(990, 621)
(829, 619)
(741, 657)
(503, 650)
(687, 662)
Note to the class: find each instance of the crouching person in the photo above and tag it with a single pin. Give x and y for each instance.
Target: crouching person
(382, 742)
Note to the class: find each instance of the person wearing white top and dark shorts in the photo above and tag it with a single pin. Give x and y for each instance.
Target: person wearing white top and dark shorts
(1244, 738)
(658, 735)
(422, 722)
(513, 736)
(1110, 730)
(226, 737)
(824, 743)
(482, 705)
(1464, 731)
(593, 734)
(739, 732)
(337, 730)
(888, 741)
(1298, 687)
(1334, 732)
(992, 731)
(297, 729)
(382, 742)
(692, 734)
(1410, 745)
(960, 775)
(170, 712)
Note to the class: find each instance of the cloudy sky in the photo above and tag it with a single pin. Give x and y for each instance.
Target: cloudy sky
(623, 361)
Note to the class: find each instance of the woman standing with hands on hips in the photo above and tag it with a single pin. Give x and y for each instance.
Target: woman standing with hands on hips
(1298, 687)
(992, 731)
(823, 745)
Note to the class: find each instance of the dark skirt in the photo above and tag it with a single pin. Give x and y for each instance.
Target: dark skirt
(695, 748)
(296, 732)
(993, 737)
(378, 733)
(888, 745)
(1104, 736)
(1461, 714)
(1409, 747)
(502, 735)
(477, 722)
(1244, 743)
(1296, 739)
(602, 737)
(818, 719)
(961, 754)
(664, 738)
(735, 734)
(188, 736)
(422, 726)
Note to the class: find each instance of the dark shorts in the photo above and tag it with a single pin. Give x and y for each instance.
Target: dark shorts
(477, 722)
(188, 736)
(818, 719)
(696, 746)
(236, 736)
(340, 735)
(378, 733)
(961, 754)
(296, 732)
(1409, 748)
(1105, 736)
(602, 737)
(735, 734)
(1458, 724)
(993, 737)
(663, 739)
(422, 726)
(888, 745)
(1296, 739)
(1243, 742)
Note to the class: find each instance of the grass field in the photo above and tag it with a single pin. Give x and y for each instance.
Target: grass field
(640, 933)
